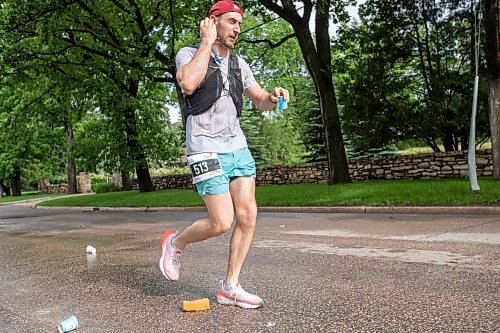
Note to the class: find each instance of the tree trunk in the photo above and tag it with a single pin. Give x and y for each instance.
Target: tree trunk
(494, 102)
(448, 138)
(16, 183)
(492, 29)
(338, 170)
(464, 142)
(7, 191)
(142, 169)
(1, 190)
(72, 188)
(126, 181)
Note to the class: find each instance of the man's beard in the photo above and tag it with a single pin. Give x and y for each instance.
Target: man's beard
(221, 41)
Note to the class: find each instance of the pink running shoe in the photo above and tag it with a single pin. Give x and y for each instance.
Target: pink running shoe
(169, 261)
(239, 297)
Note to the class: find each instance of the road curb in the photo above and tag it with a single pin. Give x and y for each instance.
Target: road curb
(454, 210)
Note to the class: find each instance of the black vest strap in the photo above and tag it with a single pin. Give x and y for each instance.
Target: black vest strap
(210, 89)
(235, 83)
(207, 93)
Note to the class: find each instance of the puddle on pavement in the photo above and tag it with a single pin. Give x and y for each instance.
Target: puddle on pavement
(490, 238)
(414, 256)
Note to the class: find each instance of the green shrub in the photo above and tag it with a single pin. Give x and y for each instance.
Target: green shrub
(179, 170)
(99, 177)
(58, 179)
(105, 187)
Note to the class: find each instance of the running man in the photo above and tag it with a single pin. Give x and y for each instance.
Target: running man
(214, 80)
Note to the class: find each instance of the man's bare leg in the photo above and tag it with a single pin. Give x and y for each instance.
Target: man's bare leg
(219, 221)
(243, 194)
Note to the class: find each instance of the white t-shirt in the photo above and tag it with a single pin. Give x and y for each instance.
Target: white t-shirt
(218, 129)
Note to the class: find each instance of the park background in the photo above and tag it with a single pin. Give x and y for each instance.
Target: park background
(90, 87)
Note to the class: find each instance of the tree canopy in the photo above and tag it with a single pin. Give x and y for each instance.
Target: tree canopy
(86, 86)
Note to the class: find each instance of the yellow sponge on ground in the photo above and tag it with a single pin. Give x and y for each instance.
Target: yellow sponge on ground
(196, 305)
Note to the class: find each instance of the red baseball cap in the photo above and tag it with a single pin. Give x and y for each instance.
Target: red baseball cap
(223, 7)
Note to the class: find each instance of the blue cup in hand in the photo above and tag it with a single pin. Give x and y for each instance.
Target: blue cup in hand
(282, 104)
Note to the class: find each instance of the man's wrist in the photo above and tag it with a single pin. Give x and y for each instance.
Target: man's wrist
(206, 43)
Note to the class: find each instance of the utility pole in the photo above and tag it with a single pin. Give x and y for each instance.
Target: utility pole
(471, 153)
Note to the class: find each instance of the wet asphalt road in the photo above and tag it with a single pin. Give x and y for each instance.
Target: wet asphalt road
(316, 273)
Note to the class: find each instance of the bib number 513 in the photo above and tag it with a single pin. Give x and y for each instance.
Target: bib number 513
(204, 166)
(199, 168)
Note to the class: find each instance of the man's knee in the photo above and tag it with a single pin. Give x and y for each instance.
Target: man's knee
(221, 224)
(246, 216)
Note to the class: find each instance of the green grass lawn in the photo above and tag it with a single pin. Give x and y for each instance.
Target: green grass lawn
(370, 193)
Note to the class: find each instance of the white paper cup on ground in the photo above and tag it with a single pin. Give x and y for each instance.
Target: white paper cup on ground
(68, 324)
(91, 260)
(91, 250)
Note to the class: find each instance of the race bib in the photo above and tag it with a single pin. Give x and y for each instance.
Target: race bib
(204, 166)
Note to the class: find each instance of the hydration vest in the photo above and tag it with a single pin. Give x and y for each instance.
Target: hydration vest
(210, 89)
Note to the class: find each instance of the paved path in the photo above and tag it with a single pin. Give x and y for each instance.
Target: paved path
(341, 272)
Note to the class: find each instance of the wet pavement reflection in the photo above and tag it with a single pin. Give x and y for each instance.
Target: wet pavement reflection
(316, 273)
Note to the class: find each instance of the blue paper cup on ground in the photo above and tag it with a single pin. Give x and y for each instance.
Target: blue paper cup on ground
(68, 324)
(282, 104)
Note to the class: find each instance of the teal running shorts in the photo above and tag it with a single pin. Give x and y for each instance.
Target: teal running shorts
(235, 164)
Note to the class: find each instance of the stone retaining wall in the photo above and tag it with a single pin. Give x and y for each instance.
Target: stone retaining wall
(422, 166)
(84, 183)
(171, 181)
(44, 187)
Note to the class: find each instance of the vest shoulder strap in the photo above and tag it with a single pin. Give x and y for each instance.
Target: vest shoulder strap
(211, 87)
(234, 65)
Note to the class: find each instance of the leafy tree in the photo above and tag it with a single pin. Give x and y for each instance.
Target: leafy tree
(274, 62)
(101, 144)
(407, 74)
(272, 137)
(376, 93)
(28, 142)
(313, 137)
(250, 122)
(283, 145)
(65, 106)
(317, 55)
(118, 44)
